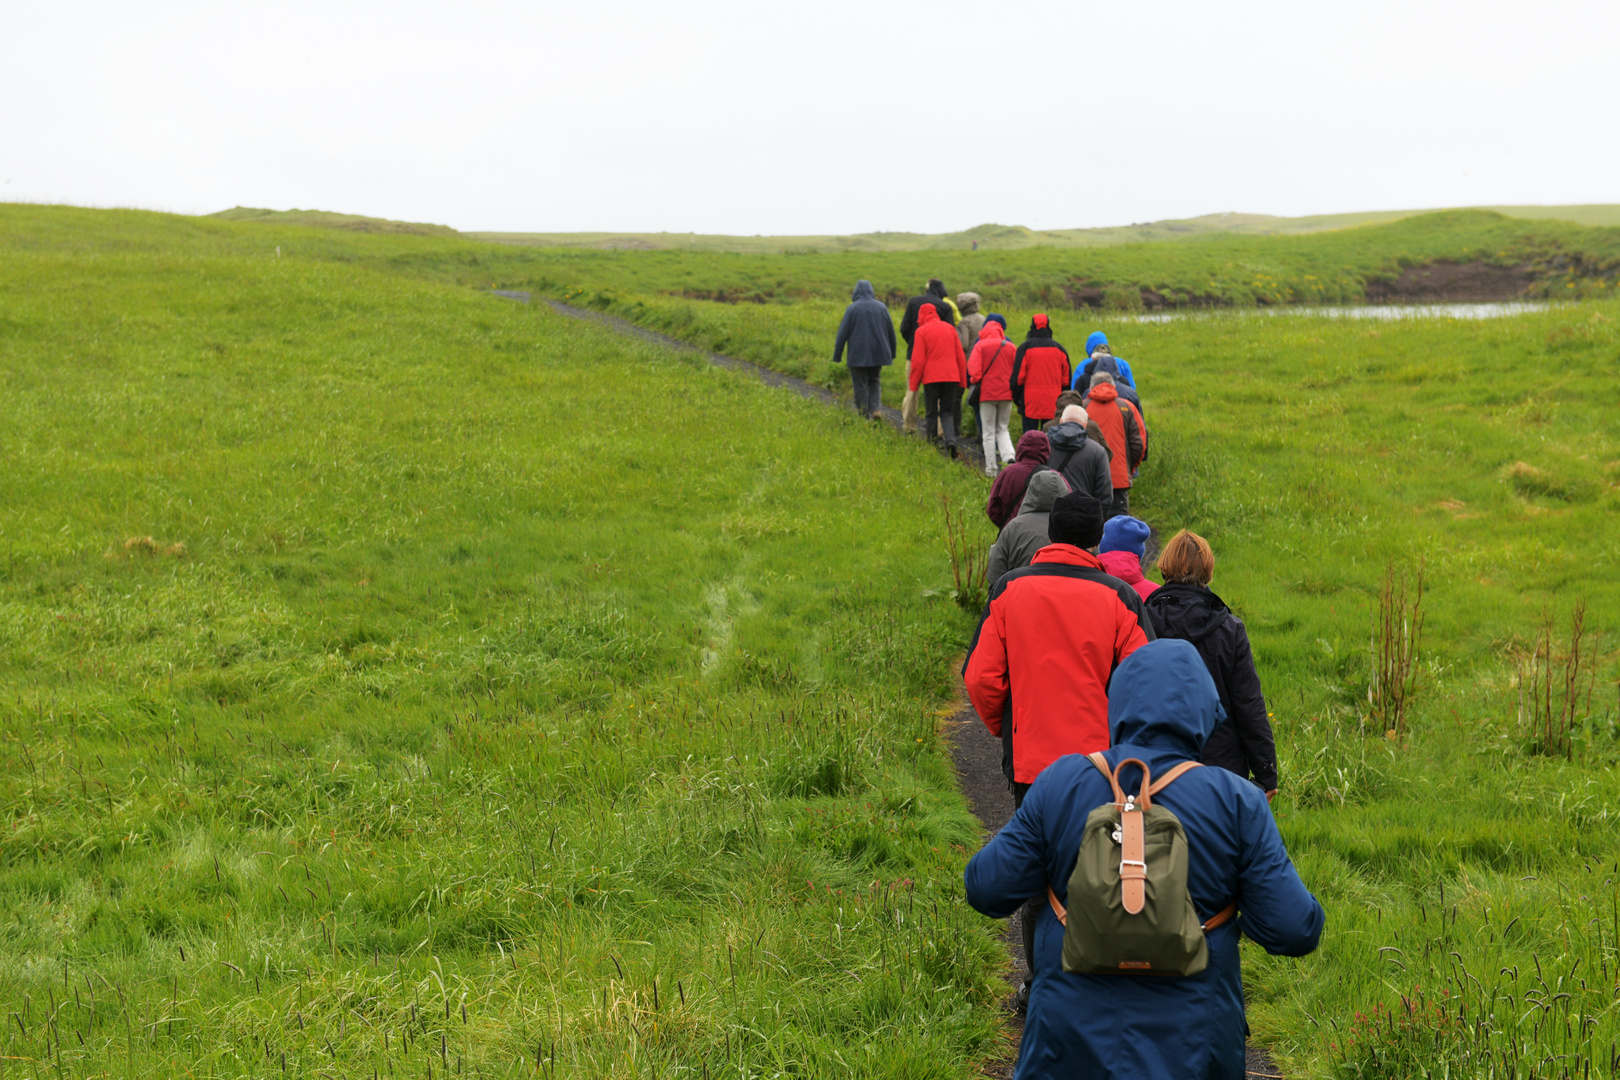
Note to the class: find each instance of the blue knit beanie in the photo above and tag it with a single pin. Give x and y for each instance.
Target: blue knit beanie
(1125, 533)
(997, 319)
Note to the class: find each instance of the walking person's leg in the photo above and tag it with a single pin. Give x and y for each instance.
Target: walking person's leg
(1122, 502)
(950, 411)
(866, 389)
(908, 406)
(933, 399)
(1004, 443)
(987, 433)
(1027, 916)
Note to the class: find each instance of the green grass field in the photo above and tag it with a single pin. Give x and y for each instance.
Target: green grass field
(399, 678)
(479, 657)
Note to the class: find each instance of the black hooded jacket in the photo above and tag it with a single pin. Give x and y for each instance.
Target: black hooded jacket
(1244, 744)
(936, 296)
(867, 329)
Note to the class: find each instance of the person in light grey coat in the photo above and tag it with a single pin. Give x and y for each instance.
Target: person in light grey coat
(868, 332)
(1083, 461)
(1026, 533)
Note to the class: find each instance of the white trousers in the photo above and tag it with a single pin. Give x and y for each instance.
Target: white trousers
(994, 417)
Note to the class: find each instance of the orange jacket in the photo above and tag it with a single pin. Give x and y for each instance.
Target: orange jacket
(936, 352)
(1119, 427)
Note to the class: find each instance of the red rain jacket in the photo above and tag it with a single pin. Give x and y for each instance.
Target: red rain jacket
(1041, 367)
(936, 352)
(1038, 671)
(991, 364)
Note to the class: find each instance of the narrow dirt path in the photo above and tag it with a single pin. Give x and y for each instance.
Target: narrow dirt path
(975, 753)
(968, 450)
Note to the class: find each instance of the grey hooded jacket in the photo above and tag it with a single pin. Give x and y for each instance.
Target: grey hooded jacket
(1026, 533)
(867, 329)
(1083, 461)
(972, 322)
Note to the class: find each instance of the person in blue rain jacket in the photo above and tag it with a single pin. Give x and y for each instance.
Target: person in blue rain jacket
(1162, 706)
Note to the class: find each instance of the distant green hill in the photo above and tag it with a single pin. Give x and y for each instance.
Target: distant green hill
(1012, 237)
(330, 220)
(988, 237)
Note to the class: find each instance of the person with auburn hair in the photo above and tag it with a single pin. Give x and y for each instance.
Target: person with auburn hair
(1184, 607)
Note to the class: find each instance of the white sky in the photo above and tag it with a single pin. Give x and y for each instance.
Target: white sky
(837, 117)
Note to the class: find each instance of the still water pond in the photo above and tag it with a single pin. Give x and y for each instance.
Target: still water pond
(1368, 311)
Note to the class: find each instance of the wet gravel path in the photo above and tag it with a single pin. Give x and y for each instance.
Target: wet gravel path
(975, 753)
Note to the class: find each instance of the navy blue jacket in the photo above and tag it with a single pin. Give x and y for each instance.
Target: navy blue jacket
(1162, 705)
(867, 329)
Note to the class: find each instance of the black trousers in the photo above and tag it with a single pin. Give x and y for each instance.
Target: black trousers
(1032, 424)
(868, 385)
(1032, 908)
(1122, 502)
(944, 404)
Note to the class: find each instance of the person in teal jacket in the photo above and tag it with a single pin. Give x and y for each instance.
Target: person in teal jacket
(1162, 706)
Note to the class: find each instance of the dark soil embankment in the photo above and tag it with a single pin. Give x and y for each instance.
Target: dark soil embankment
(1453, 282)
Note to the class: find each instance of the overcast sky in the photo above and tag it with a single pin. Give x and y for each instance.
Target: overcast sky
(758, 117)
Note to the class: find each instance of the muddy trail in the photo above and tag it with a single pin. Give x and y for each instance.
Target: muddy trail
(975, 753)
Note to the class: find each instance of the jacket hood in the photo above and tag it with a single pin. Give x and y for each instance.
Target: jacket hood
(1097, 338)
(1162, 697)
(992, 332)
(937, 287)
(863, 291)
(967, 303)
(927, 314)
(1123, 565)
(1070, 436)
(1104, 393)
(1040, 327)
(1034, 446)
(1187, 611)
(1045, 488)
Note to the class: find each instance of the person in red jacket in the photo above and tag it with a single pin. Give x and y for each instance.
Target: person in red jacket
(940, 368)
(1119, 426)
(1052, 635)
(1040, 373)
(990, 368)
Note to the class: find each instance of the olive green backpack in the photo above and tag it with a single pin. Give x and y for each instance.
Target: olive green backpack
(1129, 910)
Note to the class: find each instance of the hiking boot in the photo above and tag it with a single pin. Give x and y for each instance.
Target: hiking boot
(950, 448)
(1021, 1002)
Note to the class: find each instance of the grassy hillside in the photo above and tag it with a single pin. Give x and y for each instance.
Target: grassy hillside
(329, 220)
(533, 696)
(987, 237)
(389, 686)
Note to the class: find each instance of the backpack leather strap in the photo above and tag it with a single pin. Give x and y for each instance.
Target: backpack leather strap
(1133, 841)
(1170, 777)
(1221, 916)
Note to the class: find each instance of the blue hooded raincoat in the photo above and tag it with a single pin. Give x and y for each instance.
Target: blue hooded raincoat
(1162, 705)
(1097, 338)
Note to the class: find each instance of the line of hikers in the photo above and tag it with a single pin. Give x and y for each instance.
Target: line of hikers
(952, 348)
(1105, 687)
